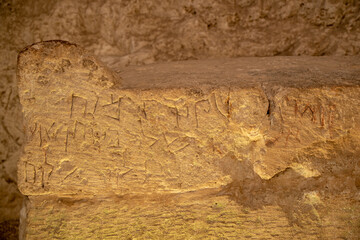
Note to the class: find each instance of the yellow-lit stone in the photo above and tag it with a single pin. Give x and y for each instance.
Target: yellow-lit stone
(231, 148)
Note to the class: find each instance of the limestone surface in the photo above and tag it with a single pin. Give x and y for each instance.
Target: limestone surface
(123, 32)
(227, 148)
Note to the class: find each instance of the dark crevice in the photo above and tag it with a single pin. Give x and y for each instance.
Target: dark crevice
(268, 112)
(269, 93)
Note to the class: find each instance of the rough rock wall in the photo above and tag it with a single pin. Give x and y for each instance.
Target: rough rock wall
(141, 32)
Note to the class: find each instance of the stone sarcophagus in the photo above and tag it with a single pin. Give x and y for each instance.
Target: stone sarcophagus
(259, 148)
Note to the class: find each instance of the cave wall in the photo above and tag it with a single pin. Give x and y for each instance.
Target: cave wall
(127, 32)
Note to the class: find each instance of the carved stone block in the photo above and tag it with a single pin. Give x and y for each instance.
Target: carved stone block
(231, 148)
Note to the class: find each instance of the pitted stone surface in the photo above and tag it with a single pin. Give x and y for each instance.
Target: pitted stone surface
(134, 33)
(253, 132)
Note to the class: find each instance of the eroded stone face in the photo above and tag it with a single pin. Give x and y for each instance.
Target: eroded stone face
(260, 131)
(128, 33)
(95, 139)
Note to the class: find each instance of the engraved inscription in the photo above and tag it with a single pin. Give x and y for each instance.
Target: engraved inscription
(323, 115)
(222, 104)
(46, 169)
(30, 173)
(201, 106)
(78, 106)
(140, 140)
(112, 109)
